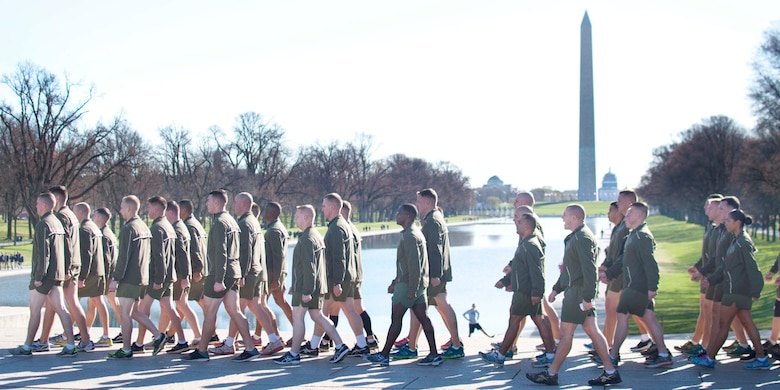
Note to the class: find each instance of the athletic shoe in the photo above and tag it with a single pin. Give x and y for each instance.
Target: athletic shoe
(543, 377)
(179, 348)
(104, 341)
(509, 355)
(659, 361)
(197, 356)
(759, 364)
(360, 352)
(401, 342)
(118, 338)
(430, 360)
(224, 349)
(58, 340)
(453, 353)
(307, 350)
(120, 354)
(170, 339)
(588, 346)
(695, 351)
(20, 351)
(703, 361)
(77, 337)
(404, 353)
(493, 357)
(159, 343)
(749, 358)
(38, 346)
(685, 347)
(373, 344)
(68, 352)
(86, 347)
(247, 356)
(339, 354)
(214, 338)
(543, 362)
(596, 359)
(257, 341)
(378, 358)
(447, 345)
(740, 350)
(325, 345)
(272, 348)
(775, 351)
(605, 379)
(642, 346)
(731, 346)
(288, 359)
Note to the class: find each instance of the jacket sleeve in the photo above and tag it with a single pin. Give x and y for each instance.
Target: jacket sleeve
(586, 253)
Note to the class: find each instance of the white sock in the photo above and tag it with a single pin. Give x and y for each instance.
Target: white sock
(361, 341)
(645, 337)
(293, 353)
(551, 356)
(610, 372)
(230, 341)
(274, 337)
(315, 341)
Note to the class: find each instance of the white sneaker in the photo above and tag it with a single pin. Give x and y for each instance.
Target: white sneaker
(223, 349)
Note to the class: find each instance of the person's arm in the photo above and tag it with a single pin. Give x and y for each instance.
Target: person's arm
(433, 241)
(125, 241)
(218, 250)
(586, 255)
(413, 255)
(87, 250)
(334, 252)
(536, 271)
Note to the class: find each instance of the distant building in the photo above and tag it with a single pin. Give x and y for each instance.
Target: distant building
(495, 182)
(609, 187)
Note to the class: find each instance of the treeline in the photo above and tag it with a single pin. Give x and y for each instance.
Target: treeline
(720, 156)
(44, 141)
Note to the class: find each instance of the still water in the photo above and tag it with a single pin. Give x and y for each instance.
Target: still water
(479, 253)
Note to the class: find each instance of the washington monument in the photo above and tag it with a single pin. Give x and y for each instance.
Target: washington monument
(587, 184)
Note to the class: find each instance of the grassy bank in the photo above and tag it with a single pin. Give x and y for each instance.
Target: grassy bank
(678, 247)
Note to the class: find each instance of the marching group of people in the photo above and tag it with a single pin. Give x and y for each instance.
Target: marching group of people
(10, 261)
(238, 266)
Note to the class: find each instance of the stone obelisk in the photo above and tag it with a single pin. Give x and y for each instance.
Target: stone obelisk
(587, 184)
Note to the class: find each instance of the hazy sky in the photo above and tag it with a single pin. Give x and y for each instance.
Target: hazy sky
(490, 86)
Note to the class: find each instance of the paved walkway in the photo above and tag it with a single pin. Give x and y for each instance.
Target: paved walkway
(91, 370)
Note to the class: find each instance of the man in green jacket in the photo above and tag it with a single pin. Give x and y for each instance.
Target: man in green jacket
(408, 288)
(309, 283)
(46, 276)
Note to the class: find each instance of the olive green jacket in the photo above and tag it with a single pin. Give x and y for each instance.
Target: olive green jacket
(276, 251)
(110, 250)
(223, 247)
(198, 256)
(412, 260)
(339, 252)
(640, 269)
(741, 273)
(183, 263)
(308, 266)
(252, 247)
(437, 241)
(48, 257)
(527, 276)
(579, 263)
(72, 248)
(91, 243)
(135, 250)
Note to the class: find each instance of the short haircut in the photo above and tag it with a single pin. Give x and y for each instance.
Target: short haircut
(577, 210)
(48, 198)
(732, 201)
(739, 215)
(525, 209)
(528, 196)
(642, 206)
(410, 208)
(186, 205)
(274, 206)
(613, 206)
(104, 211)
(173, 207)
(335, 199)
(715, 196)
(245, 197)
(306, 208)
(255, 209)
(59, 191)
(629, 193)
(346, 205)
(83, 206)
(530, 219)
(133, 201)
(220, 195)
(158, 201)
(429, 193)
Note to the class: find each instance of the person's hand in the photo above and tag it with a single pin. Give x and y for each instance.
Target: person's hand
(696, 276)
(197, 276)
(692, 270)
(585, 306)
(156, 286)
(113, 285)
(651, 294)
(551, 297)
(705, 283)
(275, 285)
(38, 283)
(391, 288)
(82, 283)
(507, 269)
(769, 276)
(185, 283)
(219, 287)
(509, 288)
(435, 282)
(602, 269)
(499, 284)
(306, 298)
(337, 290)
(603, 277)
(535, 300)
(241, 282)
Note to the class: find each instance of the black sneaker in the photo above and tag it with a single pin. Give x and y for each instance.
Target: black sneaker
(652, 351)
(77, 337)
(247, 356)
(642, 346)
(359, 352)
(170, 339)
(604, 379)
(544, 378)
(214, 339)
(373, 344)
(159, 343)
(118, 338)
(288, 359)
(179, 348)
(749, 358)
(135, 348)
(339, 354)
(307, 350)
(196, 356)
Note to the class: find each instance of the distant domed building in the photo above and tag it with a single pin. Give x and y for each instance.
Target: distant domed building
(495, 182)
(609, 187)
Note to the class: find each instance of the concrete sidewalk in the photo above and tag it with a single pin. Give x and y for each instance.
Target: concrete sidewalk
(91, 370)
